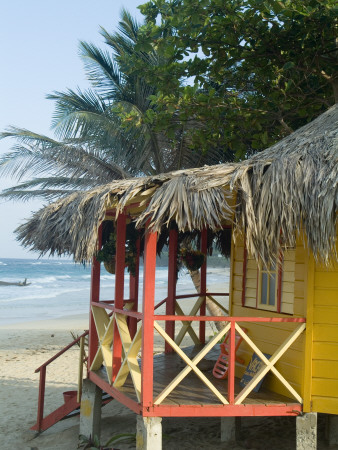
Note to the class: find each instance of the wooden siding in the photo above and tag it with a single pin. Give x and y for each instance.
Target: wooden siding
(268, 337)
(325, 340)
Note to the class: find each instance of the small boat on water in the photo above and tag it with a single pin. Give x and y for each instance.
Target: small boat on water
(19, 283)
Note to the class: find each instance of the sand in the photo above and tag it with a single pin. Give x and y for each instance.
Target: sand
(24, 347)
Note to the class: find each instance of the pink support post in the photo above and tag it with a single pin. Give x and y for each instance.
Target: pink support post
(172, 278)
(94, 298)
(119, 287)
(41, 401)
(133, 290)
(204, 248)
(148, 319)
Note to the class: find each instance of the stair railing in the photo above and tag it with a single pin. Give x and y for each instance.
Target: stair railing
(43, 368)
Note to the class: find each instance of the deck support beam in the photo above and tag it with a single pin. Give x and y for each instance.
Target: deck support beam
(90, 409)
(230, 427)
(149, 433)
(306, 431)
(333, 429)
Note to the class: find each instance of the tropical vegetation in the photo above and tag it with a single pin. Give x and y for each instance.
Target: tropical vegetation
(102, 133)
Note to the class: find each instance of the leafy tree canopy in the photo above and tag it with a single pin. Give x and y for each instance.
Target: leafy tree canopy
(250, 71)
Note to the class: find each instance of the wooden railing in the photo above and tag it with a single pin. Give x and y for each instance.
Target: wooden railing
(42, 382)
(233, 327)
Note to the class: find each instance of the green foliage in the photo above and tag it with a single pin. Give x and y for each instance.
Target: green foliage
(259, 68)
(108, 249)
(192, 259)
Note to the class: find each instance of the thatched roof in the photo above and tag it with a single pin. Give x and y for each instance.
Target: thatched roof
(289, 186)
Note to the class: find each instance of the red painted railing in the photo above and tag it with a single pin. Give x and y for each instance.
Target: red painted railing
(42, 383)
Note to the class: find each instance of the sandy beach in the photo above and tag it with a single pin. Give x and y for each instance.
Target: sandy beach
(24, 347)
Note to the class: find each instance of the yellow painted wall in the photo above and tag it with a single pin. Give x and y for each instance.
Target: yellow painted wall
(324, 383)
(268, 337)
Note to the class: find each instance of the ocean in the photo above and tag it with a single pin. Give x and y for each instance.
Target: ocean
(59, 287)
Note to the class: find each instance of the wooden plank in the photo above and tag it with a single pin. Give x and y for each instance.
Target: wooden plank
(325, 350)
(287, 308)
(238, 268)
(239, 253)
(299, 307)
(186, 325)
(236, 298)
(149, 273)
(325, 369)
(237, 282)
(172, 282)
(325, 333)
(122, 326)
(80, 371)
(191, 365)
(251, 273)
(101, 319)
(288, 287)
(250, 302)
(299, 289)
(326, 297)
(221, 307)
(326, 315)
(289, 255)
(301, 254)
(269, 364)
(325, 387)
(326, 279)
(308, 356)
(288, 297)
(300, 271)
(252, 264)
(251, 292)
(251, 283)
(328, 405)
(288, 277)
(288, 266)
(108, 336)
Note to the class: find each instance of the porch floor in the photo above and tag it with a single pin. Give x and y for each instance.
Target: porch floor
(191, 390)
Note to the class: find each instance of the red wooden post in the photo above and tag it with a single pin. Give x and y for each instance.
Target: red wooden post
(119, 287)
(41, 400)
(172, 279)
(232, 362)
(94, 297)
(148, 319)
(204, 248)
(133, 290)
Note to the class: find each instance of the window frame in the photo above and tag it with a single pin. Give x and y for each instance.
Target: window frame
(278, 289)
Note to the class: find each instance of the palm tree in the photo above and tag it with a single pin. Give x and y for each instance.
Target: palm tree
(103, 133)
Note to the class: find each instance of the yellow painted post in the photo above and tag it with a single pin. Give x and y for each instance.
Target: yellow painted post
(309, 295)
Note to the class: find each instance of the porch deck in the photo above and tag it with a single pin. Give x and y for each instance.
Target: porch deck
(193, 392)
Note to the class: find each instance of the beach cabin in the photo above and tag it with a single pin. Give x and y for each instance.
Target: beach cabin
(276, 214)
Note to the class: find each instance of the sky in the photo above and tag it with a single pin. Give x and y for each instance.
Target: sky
(39, 54)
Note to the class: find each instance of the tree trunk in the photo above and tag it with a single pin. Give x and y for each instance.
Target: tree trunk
(212, 308)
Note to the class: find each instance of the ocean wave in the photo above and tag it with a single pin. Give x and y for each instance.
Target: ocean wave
(49, 279)
(33, 296)
(3, 264)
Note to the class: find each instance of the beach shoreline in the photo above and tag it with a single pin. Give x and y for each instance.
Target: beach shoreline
(25, 346)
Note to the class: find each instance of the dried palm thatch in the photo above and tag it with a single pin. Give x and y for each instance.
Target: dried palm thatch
(290, 186)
